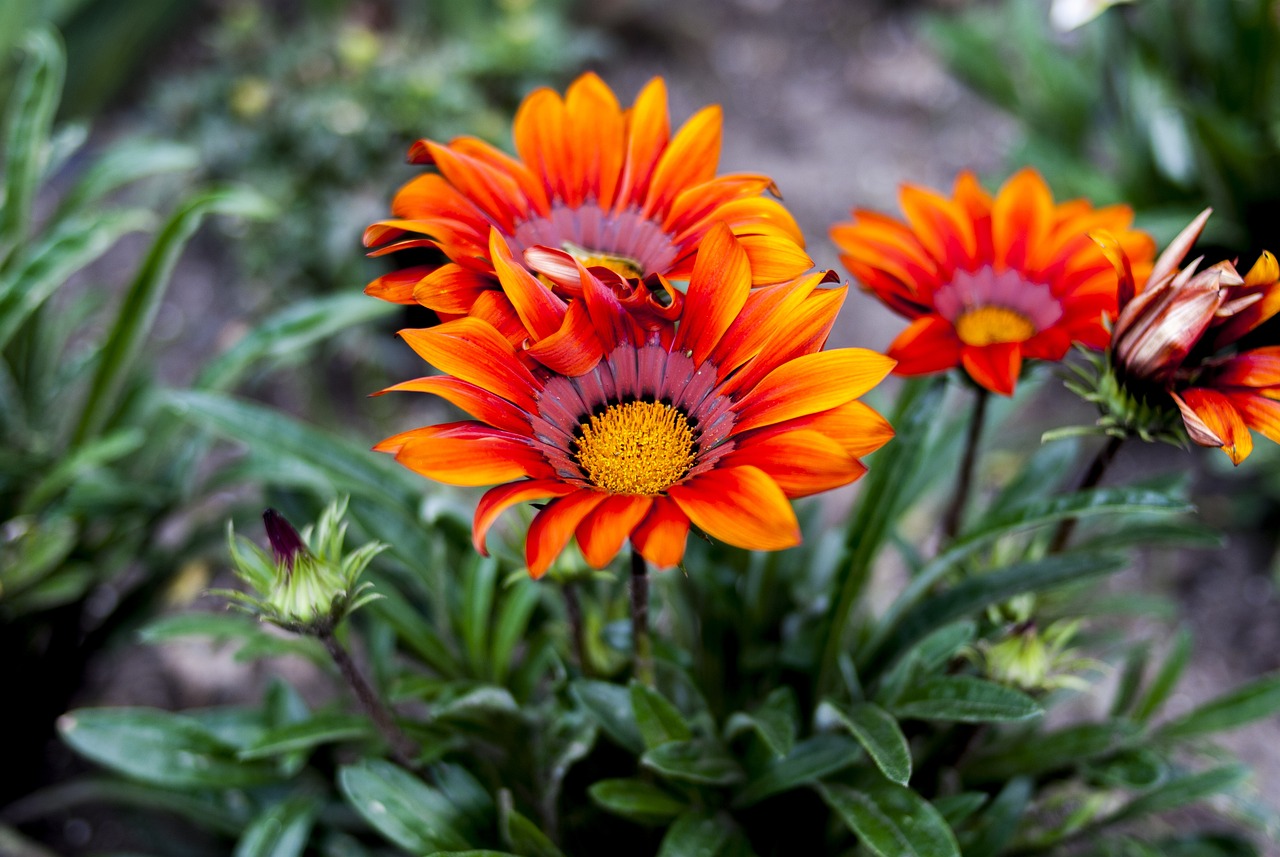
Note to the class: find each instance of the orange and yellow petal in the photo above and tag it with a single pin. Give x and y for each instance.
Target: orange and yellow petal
(740, 506)
(1212, 420)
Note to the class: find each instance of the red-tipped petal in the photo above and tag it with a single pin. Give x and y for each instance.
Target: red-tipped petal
(690, 159)
(802, 462)
(476, 351)
(812, 383)
(497, 500)
(929, 344)
(717, 292)
(1212, 420)
(476, 401)
(451, 289)
(540, 311)
(466, 454)
(740, 506)
(995, 367)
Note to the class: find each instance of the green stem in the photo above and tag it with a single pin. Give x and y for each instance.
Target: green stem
(573, 610)
(964, 480)
(1091, 478)
(402, 749)
(640, 619)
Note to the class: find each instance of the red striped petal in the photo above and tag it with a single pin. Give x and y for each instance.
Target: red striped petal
(929, 344)
(572, 350)
(451, 289)
(475, 351)
(690, 159)
(648, 131)
(540, 311)
(466, 454)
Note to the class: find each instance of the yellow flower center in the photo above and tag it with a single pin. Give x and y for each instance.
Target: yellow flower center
(629, 268)
(636, 448)
(989, 325)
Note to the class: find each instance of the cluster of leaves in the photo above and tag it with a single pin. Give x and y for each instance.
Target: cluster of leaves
(1185, 113)
(787, 716)
(91, 462)
(307, 110)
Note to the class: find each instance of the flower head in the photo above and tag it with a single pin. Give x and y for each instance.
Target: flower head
(612, 187)
(308, 584)
(634, 426)
(989, 282)
(1175, 342)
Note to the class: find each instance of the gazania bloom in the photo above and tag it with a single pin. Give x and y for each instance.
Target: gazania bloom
(1176, 339)
(989, 282)
(610, 186)
(633, 426)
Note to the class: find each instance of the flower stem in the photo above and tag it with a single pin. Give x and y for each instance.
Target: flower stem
(402, 749)
(964, 480)
(573, 609)
(640, 619)
(1091, 478)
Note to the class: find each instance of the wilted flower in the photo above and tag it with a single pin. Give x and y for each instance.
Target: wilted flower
(1175, 344)
(610, 186)
(632, 426)
(989, 281)
(307, 584)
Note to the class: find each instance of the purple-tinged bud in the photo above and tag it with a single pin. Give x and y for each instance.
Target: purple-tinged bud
(286, 544)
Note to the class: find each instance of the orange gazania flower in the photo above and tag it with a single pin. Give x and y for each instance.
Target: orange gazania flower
(610, 186)
(989, 282)
(635, 426)
(1178, 336)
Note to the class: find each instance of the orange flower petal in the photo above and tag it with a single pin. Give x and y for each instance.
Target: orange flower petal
(497, 500)
(466, 454)
(476, 401)
(397, 286)
(539, 130)
(495, 192)
(804, 332)
(539, 309)
(596, 131)
(451, 289)
(1257, 368)
(660, 538)
(941, 228)
(812, 383)
(554, 526)
(995, 367)
(717, 292)
(1260, 413)
(1212, 420)
(603, 532)
(475, 351)
(774, 259)
(1020, 220)
(572, 350)
(929, 344)
(857, 428)
(690, 159)
(801, 462)
(648, 131)
(740, 506)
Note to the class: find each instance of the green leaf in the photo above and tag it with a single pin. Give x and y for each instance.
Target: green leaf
(72, 245)
(879, 734)
(699, 761)
(1166, 679)
(892, 820)
(640, 801)
(1182, 790)
(610, 705)
(308, 734)
(1243, 705)
(520, 834)
(401, 807)
(36, 549)
(281, 830)
(696, 834)
(142, 301)
(28, 122)
(159, 747)
(221, 627)
(965, 699)
(520, 600)
(996, 827)
(77, 463)
(774, 720)
(658, 720)
(810, 761)
(1041, 753)
(123, 164)
(956, 808)
(480, 583)
(288, 334)
(893, 635)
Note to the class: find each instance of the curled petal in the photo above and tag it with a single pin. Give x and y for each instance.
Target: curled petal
(1212, 420)
(497, 500)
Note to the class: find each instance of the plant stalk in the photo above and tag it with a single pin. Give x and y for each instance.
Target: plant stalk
(402, 749)
(964, 481)
(640, 619)
(1091, 478)
(573, 609)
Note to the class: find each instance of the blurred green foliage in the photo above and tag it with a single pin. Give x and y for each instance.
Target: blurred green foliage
(318, 111)
(1167, 106)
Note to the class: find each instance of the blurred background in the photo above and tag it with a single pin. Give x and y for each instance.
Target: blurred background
(299, 114)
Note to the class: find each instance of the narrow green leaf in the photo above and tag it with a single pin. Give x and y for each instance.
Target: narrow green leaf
(658, 720)
(696, 834)
(810, 761)
(401, 807)
(894, 635)
(1181, 791)
(965, 699)
(159, 747)
(879, 734)
(36, 549)
(1243, 705)
(308, 734)
(281, 830)
(998, 824)
(892, 820)
(232, 627)
(1166, 679)
(289, 333)
(774, 720)
(74, 465)
(640, 801)
(1042, 753)
(522, 835)
(124, 164)
(957, 808)
(519, 601)
(1135, 667)
(610, 705)
(142, 301)
(480, 584)
(28, 122)
(700, 761)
